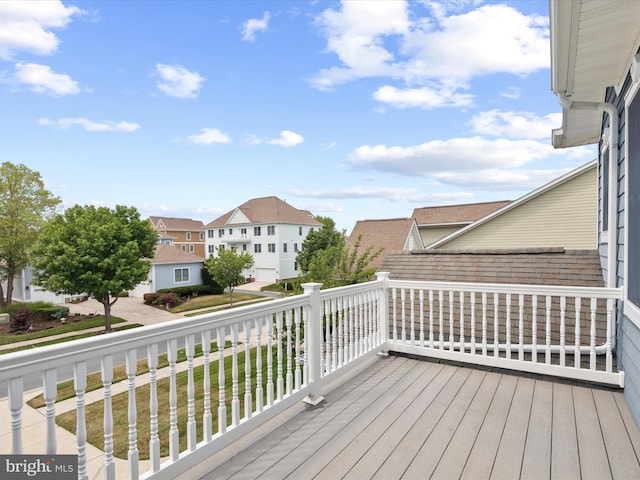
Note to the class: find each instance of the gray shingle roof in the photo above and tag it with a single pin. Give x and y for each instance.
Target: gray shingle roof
(268, 210)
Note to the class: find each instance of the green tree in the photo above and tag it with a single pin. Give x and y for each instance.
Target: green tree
(353, 267)
(226, 268)
(97, 251)
(320, 252)
(25, 206)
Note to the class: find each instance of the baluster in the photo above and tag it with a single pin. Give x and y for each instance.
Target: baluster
(462, 322)
(441, 318)
(412, 296)
(341, 327)
(367, 320)
(521, 327)
(334, 333)
(259, 390)
(80, 386)
(154, 440)
(563, 326)
(132, 455)
(174, 443)
(452, 334)
(207, 418)
(421, 317)
(107, 381)
(235, 400)
(430, 318)
(326, 345)
(248, 400)
(358, 325)
(279, 378)
(403, 314)
(15, 407)
(269, 323)
(305, 359)
(191, 404)
(484, 324)
(289, 379)
(576, 352)
(534, 328)
(394, 297)
(592, 349)
(49, 394)
(547, 350)
(610, 320)
(297, 376)
(496, 325)
(508, 305)
(222, 402)
(473, 322)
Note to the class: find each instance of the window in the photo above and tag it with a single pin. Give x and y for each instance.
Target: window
(243, 232)
(191, 249)
(202, 236)
(284, 248)
(257, 231)
(295, 266)
(257, 248)
(299, 230)
(231, 231)
(244, 247)
(295, 247)
(212, 248)
(210, 233)
(271, 230)
(183, 248)
(271, 247)
(188, 236)
(181, 275)
(221, 232)
(221, 248)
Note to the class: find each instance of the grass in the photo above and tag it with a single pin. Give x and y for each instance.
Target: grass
(71, 326)
(95, 411)
(66, 390)
(206, 301)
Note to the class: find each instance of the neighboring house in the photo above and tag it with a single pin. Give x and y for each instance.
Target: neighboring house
(595, 73)
(269, 229)
(394, 234)
(562, 213)
(435, 223)
(182, 233)
(171, 267)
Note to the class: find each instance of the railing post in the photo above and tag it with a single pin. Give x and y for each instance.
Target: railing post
(313, 339)
(383, 311)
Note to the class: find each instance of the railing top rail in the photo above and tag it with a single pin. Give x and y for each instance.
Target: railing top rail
(35, 360)
(531, 289)
(349, 289)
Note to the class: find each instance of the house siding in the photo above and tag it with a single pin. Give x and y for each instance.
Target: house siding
(565, 216)
(433, 234)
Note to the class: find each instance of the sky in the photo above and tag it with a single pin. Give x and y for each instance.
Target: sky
(353, 110)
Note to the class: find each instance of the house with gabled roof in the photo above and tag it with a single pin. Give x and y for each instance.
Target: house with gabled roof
(183, 233)
(562, 213)
(437, 222)
(269, 229)
(390, 235)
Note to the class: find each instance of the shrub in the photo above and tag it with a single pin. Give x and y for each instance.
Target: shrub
(150, 298)
(169, 299)
(19, 319)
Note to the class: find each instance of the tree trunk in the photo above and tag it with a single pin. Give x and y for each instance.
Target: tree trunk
(3, 303)
(230, 297)
(107, 314)
(8, 300)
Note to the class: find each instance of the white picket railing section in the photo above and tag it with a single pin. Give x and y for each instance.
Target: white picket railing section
(282, 352)
(560, 331)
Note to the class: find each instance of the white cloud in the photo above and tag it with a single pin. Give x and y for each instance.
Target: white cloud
(515, 124)
(177, 81)
(424, 97)
(498, 179)
(89, 125)
(456, 155)
(287, 139)
(395, 194)
(41, 79)
(437, 55)
(253, 25)
(209, 136)
(26, 26)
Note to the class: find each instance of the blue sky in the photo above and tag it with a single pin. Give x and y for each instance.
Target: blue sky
(353, 110)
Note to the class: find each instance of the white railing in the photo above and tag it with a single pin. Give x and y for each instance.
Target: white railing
(561, 331)
(277, 354)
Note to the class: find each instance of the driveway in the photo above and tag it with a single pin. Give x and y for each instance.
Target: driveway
(131, 309)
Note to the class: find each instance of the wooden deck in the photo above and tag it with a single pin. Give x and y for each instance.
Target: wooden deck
(411, 419)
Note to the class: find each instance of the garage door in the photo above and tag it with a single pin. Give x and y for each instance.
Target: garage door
(266, 275)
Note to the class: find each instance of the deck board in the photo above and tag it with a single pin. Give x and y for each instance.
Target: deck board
(408, 419)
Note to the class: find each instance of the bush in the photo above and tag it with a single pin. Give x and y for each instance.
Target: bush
(150, 298)
(190, 291)
(37, 311)
(169, 299)
(19, 319)
(211, 283)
